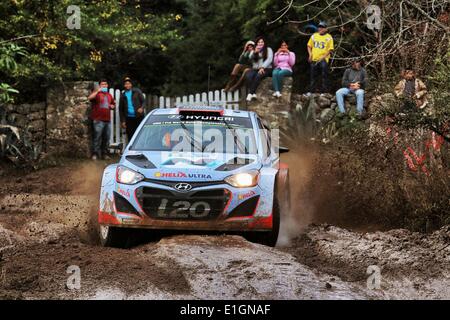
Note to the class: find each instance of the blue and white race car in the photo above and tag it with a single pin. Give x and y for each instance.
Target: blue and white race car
(196, 168)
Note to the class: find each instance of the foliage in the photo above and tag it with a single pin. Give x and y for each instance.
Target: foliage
(301, 126)
(18, 149)
(435, 116)
(5, 92)
(409, 32)
(116, 38)
(167, 45)
(440, 91)
(351, 175)
(214, 34)
(9, 52)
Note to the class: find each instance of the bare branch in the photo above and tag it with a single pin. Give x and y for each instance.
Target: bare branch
(437, 22)
(285, 10)
(19, 38)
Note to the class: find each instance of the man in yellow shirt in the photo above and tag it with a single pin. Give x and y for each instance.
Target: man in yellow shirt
(320, 46)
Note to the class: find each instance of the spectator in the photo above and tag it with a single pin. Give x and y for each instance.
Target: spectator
(262, 58)
(320, 46)
(354, 81)
(243, 66)
(131, 108)
(283, 62)
(102, 103)
(412, 88)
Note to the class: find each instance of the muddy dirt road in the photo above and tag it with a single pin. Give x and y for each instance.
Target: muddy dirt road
(47, 224)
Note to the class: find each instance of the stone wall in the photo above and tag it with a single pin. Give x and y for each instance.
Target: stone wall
(67, 119)
(274, 110)
(29, 119)
(61, 123)
(58, 126)
(325, 105)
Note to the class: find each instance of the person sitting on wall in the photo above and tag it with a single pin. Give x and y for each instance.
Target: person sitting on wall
(131, 107)
(262, 58)
(354, 81)
(243, 66)
(283, 63)
(102, 103)
(412, 89)
(320, 46)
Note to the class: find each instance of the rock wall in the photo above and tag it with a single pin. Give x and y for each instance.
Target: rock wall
(274, 110)
(67, 119)
(29, 119)
(277, 110)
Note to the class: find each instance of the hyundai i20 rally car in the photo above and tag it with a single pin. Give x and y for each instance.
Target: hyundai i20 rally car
(196, 168)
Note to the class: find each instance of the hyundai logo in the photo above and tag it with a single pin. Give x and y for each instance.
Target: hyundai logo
(183, 186)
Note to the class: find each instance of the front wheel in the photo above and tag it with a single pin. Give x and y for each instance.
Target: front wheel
(268, 238)
(113, 236)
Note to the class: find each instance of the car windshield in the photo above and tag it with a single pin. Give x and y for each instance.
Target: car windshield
(197, 133)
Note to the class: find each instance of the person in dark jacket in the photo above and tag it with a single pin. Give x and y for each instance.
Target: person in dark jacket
(354, 81)
(243, 66)
(131, 108)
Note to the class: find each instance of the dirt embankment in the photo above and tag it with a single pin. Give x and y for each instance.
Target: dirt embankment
(411, 265)
(369, 190)
(47, 223)
(365, 183)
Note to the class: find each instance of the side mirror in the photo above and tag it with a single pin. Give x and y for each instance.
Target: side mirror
(283, 150)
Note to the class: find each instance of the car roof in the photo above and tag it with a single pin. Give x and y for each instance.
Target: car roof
(226, 112)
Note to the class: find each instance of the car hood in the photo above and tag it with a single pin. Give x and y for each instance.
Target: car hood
(182, 166)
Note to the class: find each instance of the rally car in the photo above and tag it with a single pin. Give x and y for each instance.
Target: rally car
(196, 168)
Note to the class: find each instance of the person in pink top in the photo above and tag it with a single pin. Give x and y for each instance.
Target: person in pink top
(283, 62)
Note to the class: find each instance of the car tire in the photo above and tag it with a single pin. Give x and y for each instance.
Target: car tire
(113, 236)
(268, 238)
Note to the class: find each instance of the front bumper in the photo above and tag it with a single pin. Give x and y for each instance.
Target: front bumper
(159, 206)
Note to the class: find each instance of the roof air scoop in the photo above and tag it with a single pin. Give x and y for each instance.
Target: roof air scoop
(141, 161)
(234, 163)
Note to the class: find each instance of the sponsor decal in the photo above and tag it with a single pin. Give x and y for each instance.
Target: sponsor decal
(184, 187)
(199, 107)
(180, 174)
(201, 118)
(246, 195)
(106, 205)
(123, 192)
(209, 118)
(130, 220)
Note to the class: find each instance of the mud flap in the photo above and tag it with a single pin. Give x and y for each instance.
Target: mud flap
(106, 201)
(267, 185)
(283, 191)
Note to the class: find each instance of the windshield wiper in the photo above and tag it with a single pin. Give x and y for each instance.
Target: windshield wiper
(237, 142)
(194, 143)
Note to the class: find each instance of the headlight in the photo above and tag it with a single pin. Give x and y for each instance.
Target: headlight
(244, 179)
(128, 176)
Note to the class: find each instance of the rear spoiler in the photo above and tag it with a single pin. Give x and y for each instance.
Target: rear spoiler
(201, 110)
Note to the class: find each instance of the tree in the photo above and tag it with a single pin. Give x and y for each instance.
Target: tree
(400, 34)
(214, 34)
(114, 37)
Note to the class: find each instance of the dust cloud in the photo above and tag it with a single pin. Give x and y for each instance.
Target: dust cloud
(302, 208)
(87, 180)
